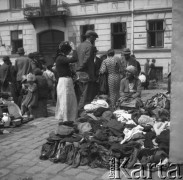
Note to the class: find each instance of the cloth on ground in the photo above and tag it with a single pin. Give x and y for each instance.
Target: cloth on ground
(160, 127)
(146, 120)
(115, 127)
(129, 133)
(64, 130)
(84, 127)
(95, 104)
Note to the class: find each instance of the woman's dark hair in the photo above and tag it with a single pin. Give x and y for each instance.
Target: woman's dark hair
(64, 47)
(103, 57)
(50, 67)
(31, 55)
(153, 60)
(110, 52)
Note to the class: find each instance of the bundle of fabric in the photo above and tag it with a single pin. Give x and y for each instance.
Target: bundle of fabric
(94, 105)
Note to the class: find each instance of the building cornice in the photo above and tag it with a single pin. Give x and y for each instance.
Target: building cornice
(148, 11)
(14, 22)
(136, 12)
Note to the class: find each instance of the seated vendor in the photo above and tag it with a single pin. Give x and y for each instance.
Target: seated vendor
(130, 90)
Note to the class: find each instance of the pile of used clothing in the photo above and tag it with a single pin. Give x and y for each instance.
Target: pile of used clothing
(139, 135)
(10, 113)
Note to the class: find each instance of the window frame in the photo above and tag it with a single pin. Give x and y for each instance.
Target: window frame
(16, 40)
(82, 38)
(124, 32)
(15, 4)
(155, 31)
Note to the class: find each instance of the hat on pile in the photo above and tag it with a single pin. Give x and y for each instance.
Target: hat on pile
(64, 130)
(126, 51)
(131, 69)
(91, 33)
(31, 77)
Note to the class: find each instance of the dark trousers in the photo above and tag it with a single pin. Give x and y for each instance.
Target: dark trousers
(85, 93)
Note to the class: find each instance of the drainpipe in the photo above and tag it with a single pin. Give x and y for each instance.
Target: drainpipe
(132, 26)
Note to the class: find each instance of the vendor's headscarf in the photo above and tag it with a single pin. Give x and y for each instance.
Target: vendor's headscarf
(132, 69)
(64, 47)
(31, 77)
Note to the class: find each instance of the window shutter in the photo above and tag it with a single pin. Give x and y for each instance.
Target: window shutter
(14, 35)
(164, 25)
(18, 4)
(112, 39)
(81, 33)
(147, 25)
(123, 26)
(12, 4)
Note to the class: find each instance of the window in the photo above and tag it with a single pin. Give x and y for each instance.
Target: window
(15, 4)
(16, 40)
(155, 33)
(118, 35)
(83, 30)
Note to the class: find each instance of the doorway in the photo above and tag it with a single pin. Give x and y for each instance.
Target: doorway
(48, 44)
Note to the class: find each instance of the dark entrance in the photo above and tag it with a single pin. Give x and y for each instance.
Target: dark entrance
(48, 43)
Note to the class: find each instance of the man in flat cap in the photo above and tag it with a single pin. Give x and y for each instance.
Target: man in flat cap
(86, 69)
(128, 59)
(22, 67)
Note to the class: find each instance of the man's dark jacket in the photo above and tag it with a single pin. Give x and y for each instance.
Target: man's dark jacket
(85, 52)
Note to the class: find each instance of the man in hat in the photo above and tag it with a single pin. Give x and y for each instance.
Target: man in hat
(86, 67)
(7, 78)
(128, 59)
(22, 67)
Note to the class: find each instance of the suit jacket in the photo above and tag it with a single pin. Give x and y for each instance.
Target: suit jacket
(85, 53)
(97, 63)
(22, 67)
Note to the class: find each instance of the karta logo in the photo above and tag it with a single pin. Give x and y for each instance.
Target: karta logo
(143, 171)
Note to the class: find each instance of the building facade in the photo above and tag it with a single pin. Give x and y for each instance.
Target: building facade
(144, 26)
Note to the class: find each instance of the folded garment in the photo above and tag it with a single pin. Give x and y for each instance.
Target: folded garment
(160, 127)
(64, 130)
(100, 111)
(84, 127)
(146, 120)
(102, 134)
(129, 133)
(107, 115)
(115, 125)
(95, 104)
(100, 103)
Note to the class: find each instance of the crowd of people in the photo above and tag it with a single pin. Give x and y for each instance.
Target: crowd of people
(76, 77)
(28, 81)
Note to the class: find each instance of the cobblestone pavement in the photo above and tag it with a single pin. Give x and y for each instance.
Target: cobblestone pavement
(20, 150)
